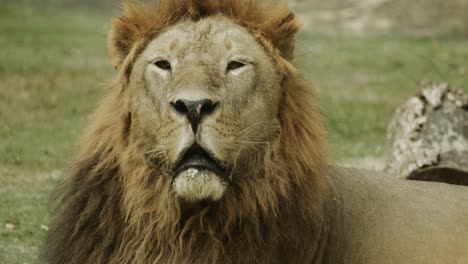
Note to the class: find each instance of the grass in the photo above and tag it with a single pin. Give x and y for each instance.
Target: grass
(362, 80)
(54, 68)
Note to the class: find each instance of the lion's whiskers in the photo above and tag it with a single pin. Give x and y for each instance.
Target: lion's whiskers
(158, 152)
(254, 142)
(251, 126)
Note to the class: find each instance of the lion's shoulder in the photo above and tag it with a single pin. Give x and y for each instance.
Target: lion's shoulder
(383, 219)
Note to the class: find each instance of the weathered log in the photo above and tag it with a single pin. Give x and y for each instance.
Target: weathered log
(428, 136)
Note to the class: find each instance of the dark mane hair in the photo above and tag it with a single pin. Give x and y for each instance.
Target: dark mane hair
(114, 207)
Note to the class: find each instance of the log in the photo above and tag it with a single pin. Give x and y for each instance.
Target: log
(428, 136)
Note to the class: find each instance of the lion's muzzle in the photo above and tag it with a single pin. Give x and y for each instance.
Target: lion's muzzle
(198, 176)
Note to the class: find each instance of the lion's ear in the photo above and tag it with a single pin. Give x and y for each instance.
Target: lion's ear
(287, 49)
(286, 35)
(121, 39)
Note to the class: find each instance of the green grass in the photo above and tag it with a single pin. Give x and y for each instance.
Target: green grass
(54, 68)
(361, 81)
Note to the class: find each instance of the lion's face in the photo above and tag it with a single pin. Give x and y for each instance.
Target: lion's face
(204, 102)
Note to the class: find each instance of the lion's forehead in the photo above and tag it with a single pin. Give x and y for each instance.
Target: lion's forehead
(209, 40)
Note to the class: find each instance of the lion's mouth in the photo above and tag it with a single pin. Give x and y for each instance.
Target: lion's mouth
(198, 158)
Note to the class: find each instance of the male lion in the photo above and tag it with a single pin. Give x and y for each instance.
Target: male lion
(210, 149)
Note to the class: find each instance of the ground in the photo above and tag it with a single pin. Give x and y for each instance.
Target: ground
(54, 68)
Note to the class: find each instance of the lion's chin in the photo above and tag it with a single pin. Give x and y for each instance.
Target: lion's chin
(195, 185)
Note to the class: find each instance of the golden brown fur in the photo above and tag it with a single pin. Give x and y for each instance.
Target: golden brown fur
(116, 207)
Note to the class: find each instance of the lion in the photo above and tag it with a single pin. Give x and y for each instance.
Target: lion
(210, 148)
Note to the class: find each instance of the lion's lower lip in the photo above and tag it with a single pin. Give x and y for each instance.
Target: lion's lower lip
(199, 162)
(196, 157)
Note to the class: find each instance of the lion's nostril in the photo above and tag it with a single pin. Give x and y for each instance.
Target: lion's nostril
(180, 107)
(195, 110)
(209, 107)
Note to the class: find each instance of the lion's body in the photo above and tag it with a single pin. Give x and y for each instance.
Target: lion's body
(210, 149)
(383, 219)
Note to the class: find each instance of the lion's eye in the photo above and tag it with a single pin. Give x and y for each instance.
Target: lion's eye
(163, 64)
(233, 65)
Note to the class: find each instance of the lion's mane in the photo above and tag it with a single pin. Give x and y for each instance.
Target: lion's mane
(116, 207)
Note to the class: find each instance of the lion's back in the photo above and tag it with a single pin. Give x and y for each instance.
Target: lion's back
(389, 220)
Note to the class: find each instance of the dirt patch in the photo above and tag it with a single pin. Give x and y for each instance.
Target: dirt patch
(347, 17)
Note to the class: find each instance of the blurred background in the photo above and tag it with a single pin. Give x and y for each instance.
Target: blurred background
(364, 57)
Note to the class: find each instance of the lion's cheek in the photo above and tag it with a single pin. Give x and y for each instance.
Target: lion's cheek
(221, 141)
(197, 185)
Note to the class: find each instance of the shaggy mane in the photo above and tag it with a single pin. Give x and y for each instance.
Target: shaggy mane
(116, 207)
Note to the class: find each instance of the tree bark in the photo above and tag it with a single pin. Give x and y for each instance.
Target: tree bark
(428, 136)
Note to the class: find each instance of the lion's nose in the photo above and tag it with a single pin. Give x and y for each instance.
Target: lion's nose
(194, 110)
